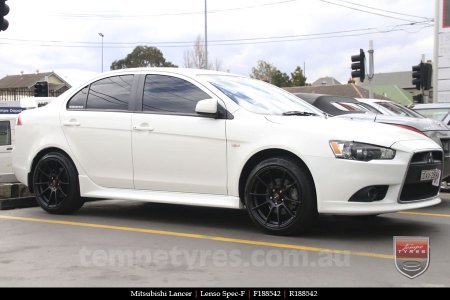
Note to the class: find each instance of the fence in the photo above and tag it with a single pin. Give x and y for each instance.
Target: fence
(17, 94)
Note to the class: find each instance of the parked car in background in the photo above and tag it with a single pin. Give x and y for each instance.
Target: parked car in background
(437, 111)
(206, 138)
(9, 111)
(390, 108)
(6, 140)
(387, 112)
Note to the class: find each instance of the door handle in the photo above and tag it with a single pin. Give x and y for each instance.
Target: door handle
(9, 149)
(143, 128)
(72, 123)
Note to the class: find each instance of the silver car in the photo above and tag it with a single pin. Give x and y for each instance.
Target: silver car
(388, 112)
(437, 111)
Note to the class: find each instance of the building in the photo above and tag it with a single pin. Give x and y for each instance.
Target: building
(395, 85)
(15, 87)
(325, 81)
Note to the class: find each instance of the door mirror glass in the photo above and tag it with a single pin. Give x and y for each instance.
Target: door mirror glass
(207, 107)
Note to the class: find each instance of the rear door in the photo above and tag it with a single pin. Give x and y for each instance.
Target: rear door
(97, 126)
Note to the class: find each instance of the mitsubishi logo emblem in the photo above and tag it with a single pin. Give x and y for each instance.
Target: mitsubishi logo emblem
(430, 158)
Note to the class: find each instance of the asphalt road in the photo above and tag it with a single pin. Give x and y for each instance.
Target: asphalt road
(122, 243)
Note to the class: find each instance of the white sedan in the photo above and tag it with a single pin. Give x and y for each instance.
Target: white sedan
(206, 138)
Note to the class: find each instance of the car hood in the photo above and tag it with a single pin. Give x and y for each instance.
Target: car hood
(423, 125)
(348, 130)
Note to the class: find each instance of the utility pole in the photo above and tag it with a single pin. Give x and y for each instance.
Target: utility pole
(101, 34)
(206, 36)
(371, 68)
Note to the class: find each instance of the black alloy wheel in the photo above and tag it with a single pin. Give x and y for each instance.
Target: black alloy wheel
(55, 183)
(280, 197)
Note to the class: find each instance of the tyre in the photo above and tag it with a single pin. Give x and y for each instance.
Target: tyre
(56, 186)
(280, 197)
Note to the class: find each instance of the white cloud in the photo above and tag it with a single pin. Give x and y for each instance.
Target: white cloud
(147, 21)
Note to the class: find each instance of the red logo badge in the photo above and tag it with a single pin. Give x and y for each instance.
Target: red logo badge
(412, 255)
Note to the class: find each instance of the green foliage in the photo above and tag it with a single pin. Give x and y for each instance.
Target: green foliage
(267, 72)
(297, 77)
(142, 56)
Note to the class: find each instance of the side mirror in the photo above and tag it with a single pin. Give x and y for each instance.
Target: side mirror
(207, 107)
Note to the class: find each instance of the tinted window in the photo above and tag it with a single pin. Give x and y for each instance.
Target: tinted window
(170, 94)
(5, 133)
(78, 101)
(111, 93)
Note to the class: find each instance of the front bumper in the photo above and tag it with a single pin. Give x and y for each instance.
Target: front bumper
(338, 179)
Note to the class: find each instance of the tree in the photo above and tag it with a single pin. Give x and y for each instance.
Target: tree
(297, 77)
(142, 56)
(267, 72)
(281, 79)
(196, 58)
(263, 71)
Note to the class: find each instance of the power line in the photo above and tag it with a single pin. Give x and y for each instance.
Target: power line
(385, 10)
(365, 11)
(232, 43)
(189, 43)
(120, 15)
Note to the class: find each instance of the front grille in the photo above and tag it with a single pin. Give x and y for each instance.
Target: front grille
(413, 188)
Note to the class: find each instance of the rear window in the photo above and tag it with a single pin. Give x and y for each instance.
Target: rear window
(5, 133)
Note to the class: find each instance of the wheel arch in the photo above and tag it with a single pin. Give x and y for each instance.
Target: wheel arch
(265, 154)
(41, 154)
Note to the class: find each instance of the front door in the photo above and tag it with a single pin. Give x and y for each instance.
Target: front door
(174, 149)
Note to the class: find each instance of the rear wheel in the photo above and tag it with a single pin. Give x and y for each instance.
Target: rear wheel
(55, 183)
(280, 196)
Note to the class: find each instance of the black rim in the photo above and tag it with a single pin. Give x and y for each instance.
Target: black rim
(274, 197)
(51, 182)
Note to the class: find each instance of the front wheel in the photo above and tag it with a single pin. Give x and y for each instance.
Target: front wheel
(280, 196)
(55, 183)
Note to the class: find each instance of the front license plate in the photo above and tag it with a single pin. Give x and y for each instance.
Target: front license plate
(434, 175)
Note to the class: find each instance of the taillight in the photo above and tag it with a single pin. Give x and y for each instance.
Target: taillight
(409, 128)
(19, 121)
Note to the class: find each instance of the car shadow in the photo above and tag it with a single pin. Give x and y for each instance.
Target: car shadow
(226, 221)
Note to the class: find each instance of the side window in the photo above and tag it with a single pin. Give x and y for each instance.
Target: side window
(111, 93)
(5, 133)
(78, 101)
(166, 94)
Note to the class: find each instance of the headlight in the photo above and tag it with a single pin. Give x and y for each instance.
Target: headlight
(360, 151)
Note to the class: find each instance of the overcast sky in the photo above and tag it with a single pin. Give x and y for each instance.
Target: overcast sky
(62, 35)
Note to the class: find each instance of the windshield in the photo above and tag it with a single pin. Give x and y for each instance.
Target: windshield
(435, 113)
(260, 97)
(399, 110)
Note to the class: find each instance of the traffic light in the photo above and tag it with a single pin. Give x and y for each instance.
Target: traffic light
(359, 65)
(4, 10)
(417, 75)
(427, 76)
(41, 89)
(422, 75)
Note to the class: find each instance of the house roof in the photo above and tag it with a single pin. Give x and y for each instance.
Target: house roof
(26, 80)
(401, 79)
(325, 81)
(394, 93)
(345, 90)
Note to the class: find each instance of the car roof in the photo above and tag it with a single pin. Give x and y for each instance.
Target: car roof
(371, 100)
(324, 102)
(181, 71)
(431, 105)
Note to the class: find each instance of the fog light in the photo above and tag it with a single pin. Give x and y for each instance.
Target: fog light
(370, 194)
